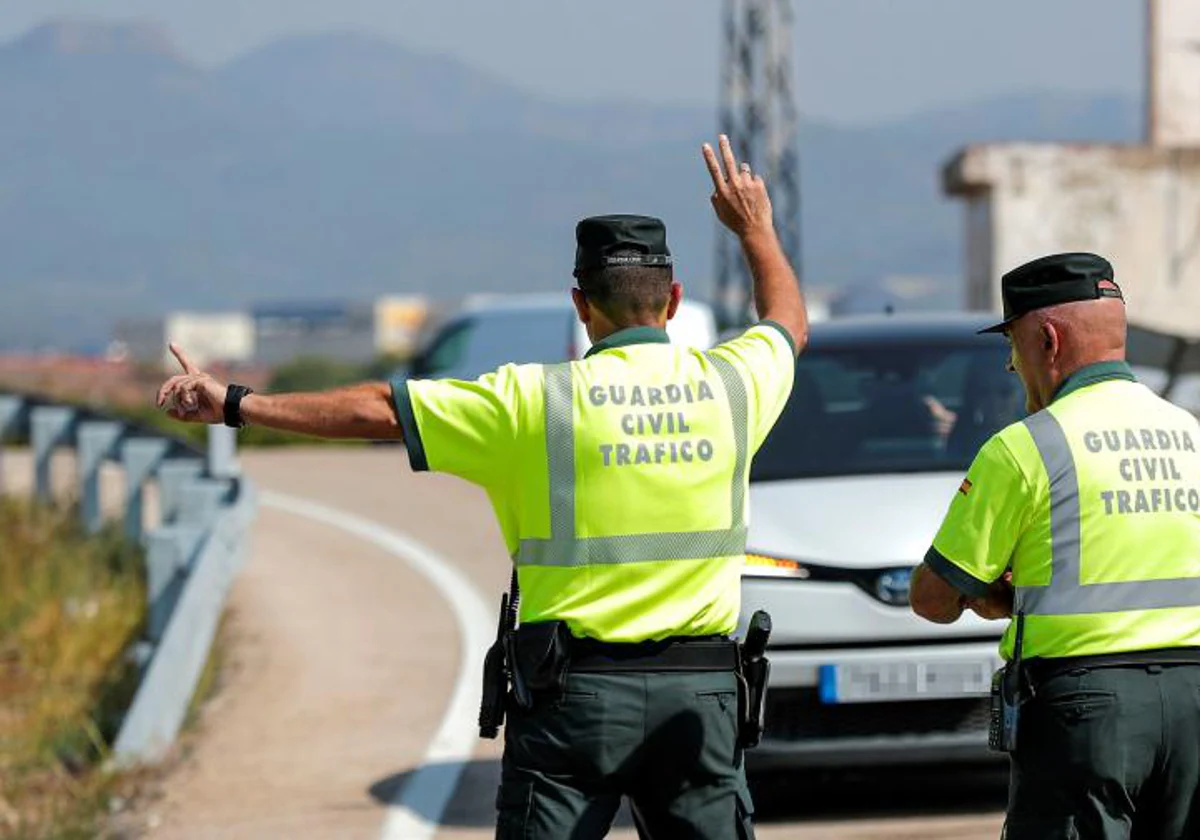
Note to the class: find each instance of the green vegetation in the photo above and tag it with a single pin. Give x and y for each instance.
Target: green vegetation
(70, 606)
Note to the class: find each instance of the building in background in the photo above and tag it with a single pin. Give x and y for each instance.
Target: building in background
(398, 323)
(1138, 205)
(276, 333)
(209, 337)
(285, 331)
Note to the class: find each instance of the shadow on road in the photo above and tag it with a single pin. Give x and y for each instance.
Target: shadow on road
(792, 797)
(879, 793)
(473, 804)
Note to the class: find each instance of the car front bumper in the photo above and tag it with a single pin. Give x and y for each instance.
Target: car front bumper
(804, 731)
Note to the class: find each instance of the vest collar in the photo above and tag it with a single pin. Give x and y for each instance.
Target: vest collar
(1091, 374)
(630, 335)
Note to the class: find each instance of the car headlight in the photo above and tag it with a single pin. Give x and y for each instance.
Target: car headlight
(888, 585)
(762, 565)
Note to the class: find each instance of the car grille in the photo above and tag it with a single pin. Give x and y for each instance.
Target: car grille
(795, 714)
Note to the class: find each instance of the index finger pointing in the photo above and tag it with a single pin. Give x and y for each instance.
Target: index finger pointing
(183, 360)
(714, 168)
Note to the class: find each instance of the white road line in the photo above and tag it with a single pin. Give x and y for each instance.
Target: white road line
(416, 812)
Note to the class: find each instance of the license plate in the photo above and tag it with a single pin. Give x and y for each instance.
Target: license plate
(873, 682)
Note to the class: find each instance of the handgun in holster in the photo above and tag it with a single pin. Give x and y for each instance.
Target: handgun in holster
(753, 673)
(1007, 697)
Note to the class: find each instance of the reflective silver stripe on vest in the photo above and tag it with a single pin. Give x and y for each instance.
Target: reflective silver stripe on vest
(1065, 594)
(564, 549)
(735, 390)
(560, 450)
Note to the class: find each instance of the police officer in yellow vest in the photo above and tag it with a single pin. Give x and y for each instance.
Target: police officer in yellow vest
(620, 486)
(1083, 522)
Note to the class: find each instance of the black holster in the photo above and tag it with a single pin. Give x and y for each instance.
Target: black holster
(754, 670)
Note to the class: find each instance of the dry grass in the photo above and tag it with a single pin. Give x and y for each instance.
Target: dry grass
(69, 608)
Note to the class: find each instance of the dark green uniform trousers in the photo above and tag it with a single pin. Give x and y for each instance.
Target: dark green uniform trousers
(665, 740)
(1109, 752)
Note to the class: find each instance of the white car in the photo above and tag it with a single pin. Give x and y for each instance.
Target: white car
(845, 498)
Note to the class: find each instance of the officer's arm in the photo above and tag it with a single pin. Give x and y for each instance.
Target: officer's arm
(742, 204)
(776, 292)
(933, 598)
(363, 411)
(359, 411)
(967, 565)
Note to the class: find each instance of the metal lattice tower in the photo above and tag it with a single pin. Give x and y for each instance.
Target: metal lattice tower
(758, 112)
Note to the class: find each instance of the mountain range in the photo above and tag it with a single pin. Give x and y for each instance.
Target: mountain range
(133, 181)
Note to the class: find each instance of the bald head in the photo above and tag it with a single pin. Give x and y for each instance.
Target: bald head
(1052, 343)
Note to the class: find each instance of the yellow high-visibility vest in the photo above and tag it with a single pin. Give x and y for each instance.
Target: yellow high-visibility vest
(1094, 504)
(619, 481)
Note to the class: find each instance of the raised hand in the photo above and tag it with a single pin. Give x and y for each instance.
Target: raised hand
(192, 396)
(739, 196)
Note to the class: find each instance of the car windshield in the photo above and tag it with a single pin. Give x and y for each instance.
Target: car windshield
(887, 408)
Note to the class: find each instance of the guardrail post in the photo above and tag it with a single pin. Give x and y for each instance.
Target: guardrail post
(12, 413)
(170, 553)
(173, 475)
(222, 452)
(96, 443)
(200, 501)
(140, 456)
(50, 426)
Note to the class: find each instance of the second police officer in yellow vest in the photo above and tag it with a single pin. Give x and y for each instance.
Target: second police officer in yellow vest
(620, 485)
(1083, 521)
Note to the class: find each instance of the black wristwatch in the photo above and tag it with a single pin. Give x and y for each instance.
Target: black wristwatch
(233, 405)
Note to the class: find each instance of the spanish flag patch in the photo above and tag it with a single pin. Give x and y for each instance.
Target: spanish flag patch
(965, 487)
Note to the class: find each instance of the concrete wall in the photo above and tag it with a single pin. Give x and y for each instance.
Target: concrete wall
(398, 322)
(1173, 78)
(1137, 206)
(142, 340)
(206, 336)
(210, 337)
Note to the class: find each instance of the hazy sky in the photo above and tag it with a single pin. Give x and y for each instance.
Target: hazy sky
(857, 60)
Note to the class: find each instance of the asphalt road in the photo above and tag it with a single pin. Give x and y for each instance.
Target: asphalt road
(343, 661)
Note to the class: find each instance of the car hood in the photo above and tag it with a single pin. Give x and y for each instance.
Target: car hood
(850, 522)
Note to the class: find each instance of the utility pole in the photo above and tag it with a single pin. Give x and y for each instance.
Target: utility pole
(758, 112)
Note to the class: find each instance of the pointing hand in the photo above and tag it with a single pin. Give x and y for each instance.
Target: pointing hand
(192, 396)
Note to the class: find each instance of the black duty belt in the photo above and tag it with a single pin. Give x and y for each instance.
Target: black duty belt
(709, 653)
(1044, 668)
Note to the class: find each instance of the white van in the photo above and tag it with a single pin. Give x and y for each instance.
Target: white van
(490, 331)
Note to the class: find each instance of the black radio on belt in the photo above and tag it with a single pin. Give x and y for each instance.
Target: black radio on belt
(1006, 698)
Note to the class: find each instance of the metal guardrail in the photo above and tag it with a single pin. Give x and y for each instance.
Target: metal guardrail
(206, 509)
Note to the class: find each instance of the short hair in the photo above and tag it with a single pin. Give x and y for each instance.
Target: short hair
(627, 293)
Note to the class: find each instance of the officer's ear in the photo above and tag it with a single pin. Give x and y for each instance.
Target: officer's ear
(581, 305)
(1050, 339)
(673, 301)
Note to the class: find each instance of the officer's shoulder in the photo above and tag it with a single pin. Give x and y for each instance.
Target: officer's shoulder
(519, 373)
(1006, 441)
